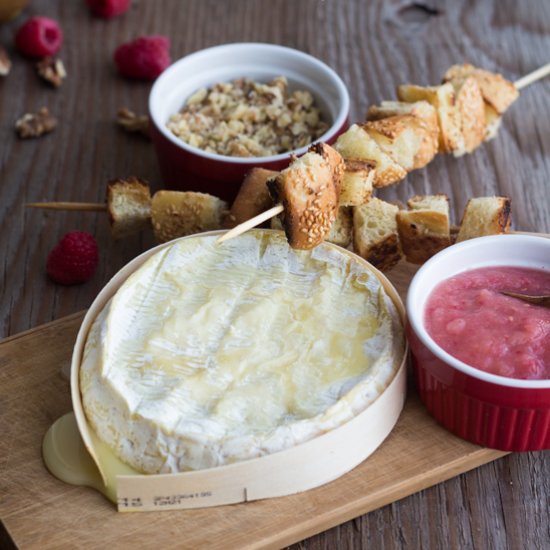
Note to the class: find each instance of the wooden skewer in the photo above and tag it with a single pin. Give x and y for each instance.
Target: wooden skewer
(81, 206)
(252, 222)
(524, 81)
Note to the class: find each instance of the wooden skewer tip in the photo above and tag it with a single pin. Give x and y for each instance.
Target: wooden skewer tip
(252, 222)
(533, 76)
(79, 206)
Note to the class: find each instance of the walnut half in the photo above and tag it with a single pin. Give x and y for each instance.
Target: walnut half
(52, 70)
(129, 121)
(32, 125)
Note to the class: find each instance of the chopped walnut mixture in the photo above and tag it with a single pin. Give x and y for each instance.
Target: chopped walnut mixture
(129, 121)
(52, 70)
(244, 118)
(5, 62)
(32, 125)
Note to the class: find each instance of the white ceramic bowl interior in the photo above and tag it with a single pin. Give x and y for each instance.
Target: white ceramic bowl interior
(261, 62)
(499, 250)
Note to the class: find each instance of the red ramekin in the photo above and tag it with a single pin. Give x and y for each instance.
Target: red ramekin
(184, 167)
(493, 411)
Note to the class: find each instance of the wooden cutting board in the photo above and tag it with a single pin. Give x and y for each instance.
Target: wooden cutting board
(38, 511)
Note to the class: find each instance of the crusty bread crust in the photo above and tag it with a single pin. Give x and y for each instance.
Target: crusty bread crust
(252, 199)
(375, 236)
(309, 190)
(425, 228)
(496, 90)
(422, 233)
(335, 160)
(341, 231)
(180, 213)
(485, 216)
(128, 206)
(471, 109)
(384, 254)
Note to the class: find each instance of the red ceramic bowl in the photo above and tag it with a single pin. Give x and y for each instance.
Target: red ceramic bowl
(184, 167)
(494, 411)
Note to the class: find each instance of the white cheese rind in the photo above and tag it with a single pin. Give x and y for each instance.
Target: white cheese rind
(210, 354)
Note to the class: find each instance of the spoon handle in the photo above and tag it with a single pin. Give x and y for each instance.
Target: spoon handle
(541, 300)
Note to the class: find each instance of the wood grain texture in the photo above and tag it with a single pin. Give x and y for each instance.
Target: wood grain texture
(374, 46)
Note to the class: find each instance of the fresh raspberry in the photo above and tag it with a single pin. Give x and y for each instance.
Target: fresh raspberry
(74, 259)
(109, 8)
(144, 58)
(39, 37)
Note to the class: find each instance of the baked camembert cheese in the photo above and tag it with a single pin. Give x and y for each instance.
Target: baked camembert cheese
(214, 353)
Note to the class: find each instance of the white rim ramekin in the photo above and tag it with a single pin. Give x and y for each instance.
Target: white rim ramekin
(499, 250)
(255, 60)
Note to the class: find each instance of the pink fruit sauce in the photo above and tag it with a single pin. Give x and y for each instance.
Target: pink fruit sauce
(469, 319)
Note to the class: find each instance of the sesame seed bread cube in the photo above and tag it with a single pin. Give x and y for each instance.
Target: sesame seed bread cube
(252, 199)
(341, 231)
(356, 144)
(405, 138)
(309, 190)
(357, 182)
(495, 89)
(471, 109)
(443, 100)
(424, 229)
(128, 206)
(375, 236)
(180, 213)
(485, 216)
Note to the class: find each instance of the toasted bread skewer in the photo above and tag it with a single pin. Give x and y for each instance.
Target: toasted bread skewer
(376, 129)
(348, 150)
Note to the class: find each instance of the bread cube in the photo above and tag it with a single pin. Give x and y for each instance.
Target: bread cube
(356, 144)
(179, 213)
(442, 98)
(375, 236)
(128, 206)
(424, 229)
(252, 199)
(357, 182)
(485, 216)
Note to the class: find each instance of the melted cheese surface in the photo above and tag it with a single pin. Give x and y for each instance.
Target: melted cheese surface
(213, 353)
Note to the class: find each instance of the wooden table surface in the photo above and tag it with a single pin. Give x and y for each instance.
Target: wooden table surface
(374, 46)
